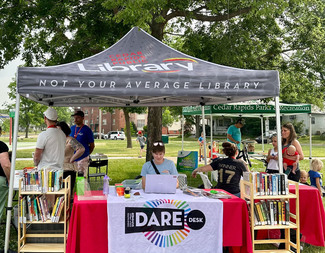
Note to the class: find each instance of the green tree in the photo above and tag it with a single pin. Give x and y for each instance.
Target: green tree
(284, 35)
(31, 113)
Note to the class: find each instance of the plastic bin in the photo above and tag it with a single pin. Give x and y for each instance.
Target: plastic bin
(135, 184)
(165, 138)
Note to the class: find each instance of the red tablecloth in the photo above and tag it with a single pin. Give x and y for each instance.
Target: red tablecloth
(88, 226)
(312, 216)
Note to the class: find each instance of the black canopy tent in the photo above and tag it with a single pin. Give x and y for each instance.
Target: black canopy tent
(139, 70)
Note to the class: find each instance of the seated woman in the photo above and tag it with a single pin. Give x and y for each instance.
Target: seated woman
(163, 165)
(230, 169)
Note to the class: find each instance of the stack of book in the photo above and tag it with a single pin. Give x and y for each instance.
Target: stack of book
(271, 212)
(49, 180)
(37, 208)
(267, 184)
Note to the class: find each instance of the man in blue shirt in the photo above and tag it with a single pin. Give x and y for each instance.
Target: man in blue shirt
(234, 134)
(85, 136)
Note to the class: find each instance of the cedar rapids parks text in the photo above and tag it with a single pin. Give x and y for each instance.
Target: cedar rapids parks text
(148, 85)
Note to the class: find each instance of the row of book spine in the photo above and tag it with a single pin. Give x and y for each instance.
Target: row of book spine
(267, 184)
(271, 212)
(42, 180)
(36, 208)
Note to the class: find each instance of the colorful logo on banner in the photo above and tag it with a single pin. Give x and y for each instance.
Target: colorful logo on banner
(163, 215)
(138, 62)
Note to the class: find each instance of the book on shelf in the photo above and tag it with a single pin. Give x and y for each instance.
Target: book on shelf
(275, 211)
(260, 213)
(271, 208)
(259, 222)
(266, 184)
(44, 180)
(57, 209)
(271, 212)
(287, 212)
(37, 208)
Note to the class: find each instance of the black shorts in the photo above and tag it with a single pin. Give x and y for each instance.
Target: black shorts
(142, 147)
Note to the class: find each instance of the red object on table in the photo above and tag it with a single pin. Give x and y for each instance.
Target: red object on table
(88, 226)
(311, 213)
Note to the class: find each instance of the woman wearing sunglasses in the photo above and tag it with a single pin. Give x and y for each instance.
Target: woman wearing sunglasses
(230, 169)
(159, 164)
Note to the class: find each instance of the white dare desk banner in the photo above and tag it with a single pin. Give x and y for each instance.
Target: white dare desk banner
(164, 223)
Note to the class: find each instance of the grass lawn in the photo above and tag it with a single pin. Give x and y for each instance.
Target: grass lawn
(120, 169)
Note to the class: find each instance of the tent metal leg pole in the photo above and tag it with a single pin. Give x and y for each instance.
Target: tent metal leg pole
(310, 141)
(278, 131)
(262, 130)
(182, 123)
(12, 173)
(211, 135)
(204, 136)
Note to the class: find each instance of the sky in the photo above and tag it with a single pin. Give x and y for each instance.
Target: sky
(6, 76)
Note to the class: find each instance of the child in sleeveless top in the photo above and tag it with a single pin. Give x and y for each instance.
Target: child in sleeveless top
(272, 157)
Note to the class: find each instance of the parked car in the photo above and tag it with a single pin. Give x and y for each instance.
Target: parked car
(115, 135)
(96, 135)
(267, 139)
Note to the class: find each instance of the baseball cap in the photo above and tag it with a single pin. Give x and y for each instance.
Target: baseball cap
(139, 132)
(79, 113)
(51, 114)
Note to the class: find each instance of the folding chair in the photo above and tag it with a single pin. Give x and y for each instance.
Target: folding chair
(206, 182)
(98, 164)
(182, 180)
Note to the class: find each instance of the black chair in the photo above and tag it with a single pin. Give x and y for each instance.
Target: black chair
(98, 164)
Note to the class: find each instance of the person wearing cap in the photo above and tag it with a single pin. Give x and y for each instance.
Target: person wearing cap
(85, 136)
(142, 141)
(234, 134)
(50, 145)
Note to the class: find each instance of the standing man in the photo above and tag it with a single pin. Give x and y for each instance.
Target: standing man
(234, 134)
(50, 145)
(4, 174)
(85, 136)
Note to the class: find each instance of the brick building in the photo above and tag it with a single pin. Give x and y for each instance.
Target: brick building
(115, 121)
(111, 121)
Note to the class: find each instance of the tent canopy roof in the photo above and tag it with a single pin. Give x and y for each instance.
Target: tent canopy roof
(139, 70)
(247, 109)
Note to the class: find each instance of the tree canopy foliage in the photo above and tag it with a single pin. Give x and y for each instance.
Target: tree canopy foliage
(283, 35)
(31, 113)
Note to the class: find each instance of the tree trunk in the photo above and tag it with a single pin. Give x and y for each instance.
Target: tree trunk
(153, 129)
(128, 128)
(26, 131)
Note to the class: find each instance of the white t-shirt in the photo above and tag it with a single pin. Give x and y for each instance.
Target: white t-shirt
(273, 164)
(52, 141)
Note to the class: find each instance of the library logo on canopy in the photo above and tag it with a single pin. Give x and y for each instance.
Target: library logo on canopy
(138, 62)
(174, 217)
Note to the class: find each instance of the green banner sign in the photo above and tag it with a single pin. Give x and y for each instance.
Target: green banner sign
(247, 109)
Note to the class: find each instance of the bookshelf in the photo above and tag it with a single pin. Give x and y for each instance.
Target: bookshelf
(31, 240)
(249, 194)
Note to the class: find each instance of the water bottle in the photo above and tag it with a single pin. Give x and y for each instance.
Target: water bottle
(80, 184)
(106, 185)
